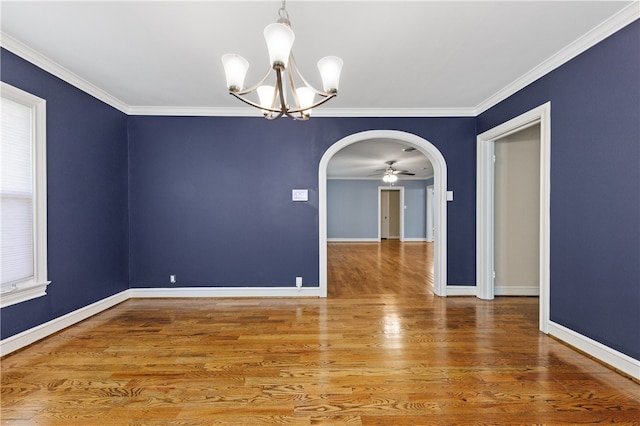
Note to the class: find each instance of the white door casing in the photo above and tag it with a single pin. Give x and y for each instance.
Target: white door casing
(485, 204)
(429, 212)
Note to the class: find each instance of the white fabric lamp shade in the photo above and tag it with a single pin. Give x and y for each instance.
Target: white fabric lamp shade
(235, 70)
(330, 68)
(280, 38)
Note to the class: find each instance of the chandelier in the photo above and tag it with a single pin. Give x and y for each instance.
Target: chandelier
(283, 98)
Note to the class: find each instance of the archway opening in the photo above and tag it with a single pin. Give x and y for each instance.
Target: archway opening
(439, 199)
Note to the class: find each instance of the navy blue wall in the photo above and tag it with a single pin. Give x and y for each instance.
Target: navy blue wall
(210, 197)
(595, 187)
(87, 198)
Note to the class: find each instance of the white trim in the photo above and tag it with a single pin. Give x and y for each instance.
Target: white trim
(401, 206)
(485, 200)
(35, 286)
(609, 356)
(461, 290)
(27, 337)
(440, 191)
(320, 112)
(605, 29)
(415, 240)
(38, 59)
(513, 290)
(353, 240)
(218, 292)
(400, 180)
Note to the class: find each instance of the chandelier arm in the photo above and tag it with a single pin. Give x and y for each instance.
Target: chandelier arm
(256, 105)
(317, 104)
(294, 92)
(255, 86)
(279, 88)
(249, 102)
(294, 65)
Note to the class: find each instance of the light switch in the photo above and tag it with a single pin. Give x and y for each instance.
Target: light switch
(300, 194)
(449, 195)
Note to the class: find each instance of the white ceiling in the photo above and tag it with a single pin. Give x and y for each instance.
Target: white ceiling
(401, 58)
(365, 159)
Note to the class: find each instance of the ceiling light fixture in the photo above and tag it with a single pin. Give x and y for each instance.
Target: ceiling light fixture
(273, 100)
(389, 177)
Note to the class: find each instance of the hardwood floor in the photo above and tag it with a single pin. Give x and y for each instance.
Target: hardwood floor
(381, 350)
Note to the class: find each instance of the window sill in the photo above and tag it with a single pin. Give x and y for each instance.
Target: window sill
(22, 292)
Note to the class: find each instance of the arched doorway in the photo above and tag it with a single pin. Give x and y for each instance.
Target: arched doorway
(440, 200)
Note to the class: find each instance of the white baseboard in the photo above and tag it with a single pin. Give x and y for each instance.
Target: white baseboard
(609, 356)
(503, 290)
(178, 292)
(27, 337)
(461, 290)
(353, 240)
(412, 240)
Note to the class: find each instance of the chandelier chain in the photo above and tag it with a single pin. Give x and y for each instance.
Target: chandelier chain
(283, 14)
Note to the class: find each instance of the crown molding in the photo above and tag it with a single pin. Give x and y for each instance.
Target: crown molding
(41, 61)
(323, 112)
(379, 178)
(194, 111)
(590, 39)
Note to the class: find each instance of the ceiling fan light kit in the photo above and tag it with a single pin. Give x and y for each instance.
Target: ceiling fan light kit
(391, 174)
(284, 98)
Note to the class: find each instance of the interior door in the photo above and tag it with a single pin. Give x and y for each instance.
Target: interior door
(384, 215)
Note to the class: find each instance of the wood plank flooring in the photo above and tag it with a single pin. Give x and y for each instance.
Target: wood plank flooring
(381, 350)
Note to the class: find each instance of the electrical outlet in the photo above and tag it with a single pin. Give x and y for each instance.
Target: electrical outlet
(298, 282)
(172, 279)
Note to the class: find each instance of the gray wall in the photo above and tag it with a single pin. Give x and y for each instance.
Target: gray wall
(352, 208)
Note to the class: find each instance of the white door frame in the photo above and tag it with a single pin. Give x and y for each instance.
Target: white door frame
(485, 204)
(440, 200)
(400, 212)
(429, 212)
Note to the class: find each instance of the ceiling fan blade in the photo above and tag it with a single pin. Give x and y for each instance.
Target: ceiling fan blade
(406, 173)
(380, 170)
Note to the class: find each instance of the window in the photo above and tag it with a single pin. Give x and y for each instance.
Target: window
(23, 200)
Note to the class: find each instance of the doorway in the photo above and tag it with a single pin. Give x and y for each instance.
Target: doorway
(485, 208)
(390, 213)
(517, 213)
(440, 201)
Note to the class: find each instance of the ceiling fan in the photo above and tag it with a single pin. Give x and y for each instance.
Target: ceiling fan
(391, 174)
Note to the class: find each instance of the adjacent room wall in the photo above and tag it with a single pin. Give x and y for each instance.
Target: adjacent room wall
(595, 187)
(352, 208)
(86, 198)
(517, 213)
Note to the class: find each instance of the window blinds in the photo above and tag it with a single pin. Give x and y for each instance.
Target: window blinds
(16, 193)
